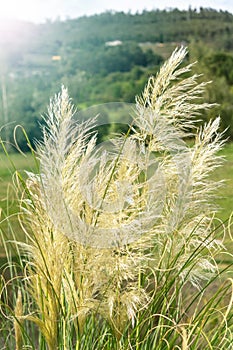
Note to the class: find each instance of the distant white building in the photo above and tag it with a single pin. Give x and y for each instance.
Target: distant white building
(113, 43)
(56, 58)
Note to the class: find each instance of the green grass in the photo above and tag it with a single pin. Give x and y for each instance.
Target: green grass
(8, 194)
(225, 194)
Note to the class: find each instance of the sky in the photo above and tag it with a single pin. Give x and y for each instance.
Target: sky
(40, 10)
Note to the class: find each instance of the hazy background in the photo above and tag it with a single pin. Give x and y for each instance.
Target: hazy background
(40, 10)
(104, 51)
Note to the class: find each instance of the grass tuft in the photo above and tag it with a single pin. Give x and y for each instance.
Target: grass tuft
(121, 246)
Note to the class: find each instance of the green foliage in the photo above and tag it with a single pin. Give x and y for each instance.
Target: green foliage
(218, 68)
(104, 60)
(221, 65)
(96, 73)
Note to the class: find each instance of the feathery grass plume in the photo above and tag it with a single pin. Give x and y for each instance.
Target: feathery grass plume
(117, 233)
(48, 251)
(165, 117)
(77, 209)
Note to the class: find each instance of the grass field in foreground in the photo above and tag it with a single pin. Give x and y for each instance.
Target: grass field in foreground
(9, 206)
(225, 194)
(9, 203)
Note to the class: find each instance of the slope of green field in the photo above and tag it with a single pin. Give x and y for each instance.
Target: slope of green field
(225, 194)
(9, 197)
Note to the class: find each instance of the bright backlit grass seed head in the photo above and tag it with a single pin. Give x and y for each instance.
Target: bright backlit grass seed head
(145, 205)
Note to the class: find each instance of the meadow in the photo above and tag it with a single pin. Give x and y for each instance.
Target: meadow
(9, 195)
(225, 172)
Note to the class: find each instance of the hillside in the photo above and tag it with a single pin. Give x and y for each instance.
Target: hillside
(108, 57)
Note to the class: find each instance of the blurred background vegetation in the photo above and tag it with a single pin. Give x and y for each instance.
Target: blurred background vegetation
(106, 58)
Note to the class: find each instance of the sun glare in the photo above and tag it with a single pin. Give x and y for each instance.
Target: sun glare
(18, 9)
(11, 12)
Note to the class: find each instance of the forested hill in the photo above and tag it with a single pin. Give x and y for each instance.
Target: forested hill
(108, 57)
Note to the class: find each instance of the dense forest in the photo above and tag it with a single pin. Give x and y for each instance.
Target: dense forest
(108, 58)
